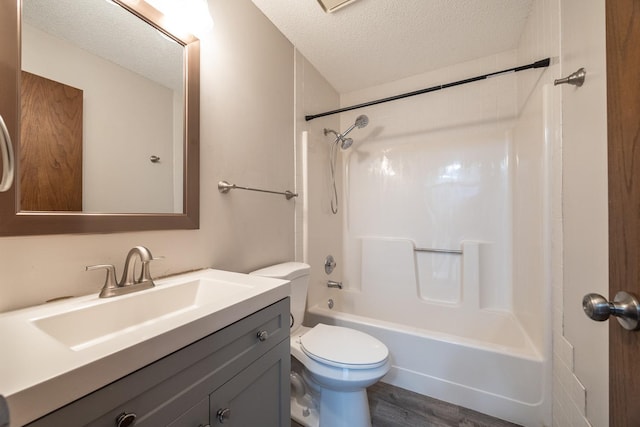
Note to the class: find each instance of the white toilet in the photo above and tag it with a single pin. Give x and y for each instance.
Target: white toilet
(336, 363)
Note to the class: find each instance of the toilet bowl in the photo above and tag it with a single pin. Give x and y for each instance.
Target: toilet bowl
(335, 364)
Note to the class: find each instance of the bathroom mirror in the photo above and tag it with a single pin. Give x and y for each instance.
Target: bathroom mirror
(109, 124)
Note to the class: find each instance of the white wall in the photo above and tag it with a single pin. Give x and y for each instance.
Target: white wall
(582, 389)
(537, 188)
(477, 115)
(577, 149)
(126, 119)
(537, 147)
(246, 137)
(436, 169)
(324, 229)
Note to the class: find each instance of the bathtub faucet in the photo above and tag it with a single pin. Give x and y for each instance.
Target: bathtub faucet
(334, 284)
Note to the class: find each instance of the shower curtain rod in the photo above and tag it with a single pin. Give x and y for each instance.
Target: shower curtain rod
(543, 63)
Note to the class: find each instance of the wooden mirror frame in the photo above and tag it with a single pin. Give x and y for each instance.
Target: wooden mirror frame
(17, 223)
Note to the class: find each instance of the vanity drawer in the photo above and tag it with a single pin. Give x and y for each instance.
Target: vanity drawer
(163, 391)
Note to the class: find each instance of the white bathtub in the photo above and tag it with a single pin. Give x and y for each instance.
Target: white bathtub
(485, 363)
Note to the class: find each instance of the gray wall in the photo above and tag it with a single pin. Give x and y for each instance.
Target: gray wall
(247, 138)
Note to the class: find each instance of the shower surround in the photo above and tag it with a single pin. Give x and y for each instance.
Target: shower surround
(446, 237)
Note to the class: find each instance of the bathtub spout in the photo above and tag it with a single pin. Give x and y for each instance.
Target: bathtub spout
(334, 284)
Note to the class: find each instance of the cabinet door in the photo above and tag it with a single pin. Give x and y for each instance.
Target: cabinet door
(257, 396)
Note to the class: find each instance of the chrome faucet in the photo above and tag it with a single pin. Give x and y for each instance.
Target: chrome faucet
(127, 275)
(334, 284)
(128, 283)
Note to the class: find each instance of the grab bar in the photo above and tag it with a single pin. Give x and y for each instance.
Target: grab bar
(439, 251)
(225, 187)
(6, 150)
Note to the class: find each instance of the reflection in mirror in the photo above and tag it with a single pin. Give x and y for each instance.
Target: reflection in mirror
(102, 94)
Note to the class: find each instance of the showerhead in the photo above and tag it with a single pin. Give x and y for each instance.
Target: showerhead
(346, 143)
(362, 121)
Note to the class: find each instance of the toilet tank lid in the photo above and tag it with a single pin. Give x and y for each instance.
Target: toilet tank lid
(286, 270)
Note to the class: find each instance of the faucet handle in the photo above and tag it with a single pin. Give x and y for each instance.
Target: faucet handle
(145, 275)
(110, 282)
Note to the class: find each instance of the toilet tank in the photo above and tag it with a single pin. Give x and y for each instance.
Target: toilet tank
(298, 274)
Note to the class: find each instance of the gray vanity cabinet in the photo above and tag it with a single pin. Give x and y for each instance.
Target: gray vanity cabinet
(248, 399)
(196, 416)
(237, 376)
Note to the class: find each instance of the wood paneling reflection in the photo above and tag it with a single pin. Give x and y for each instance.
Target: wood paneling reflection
(50, 159)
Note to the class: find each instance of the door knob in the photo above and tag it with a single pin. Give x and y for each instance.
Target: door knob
(625, 307)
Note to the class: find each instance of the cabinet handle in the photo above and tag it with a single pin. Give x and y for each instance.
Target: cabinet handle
(263, 335)
(126, 420)
(223, 414)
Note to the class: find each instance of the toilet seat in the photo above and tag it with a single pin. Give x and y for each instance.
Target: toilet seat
(343, 347)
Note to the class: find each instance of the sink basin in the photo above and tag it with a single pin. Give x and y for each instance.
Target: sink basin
(108, 318)
(67, 349)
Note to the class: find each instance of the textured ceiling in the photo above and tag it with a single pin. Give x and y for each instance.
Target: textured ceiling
(376, 41)
(107, 30)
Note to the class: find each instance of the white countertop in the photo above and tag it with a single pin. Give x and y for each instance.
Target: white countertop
(39, 373)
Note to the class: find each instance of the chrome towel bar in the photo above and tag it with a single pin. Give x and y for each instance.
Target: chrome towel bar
(439, 251)
(225, 187)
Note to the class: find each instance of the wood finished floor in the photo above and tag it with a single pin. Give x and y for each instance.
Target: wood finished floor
(392, 406)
